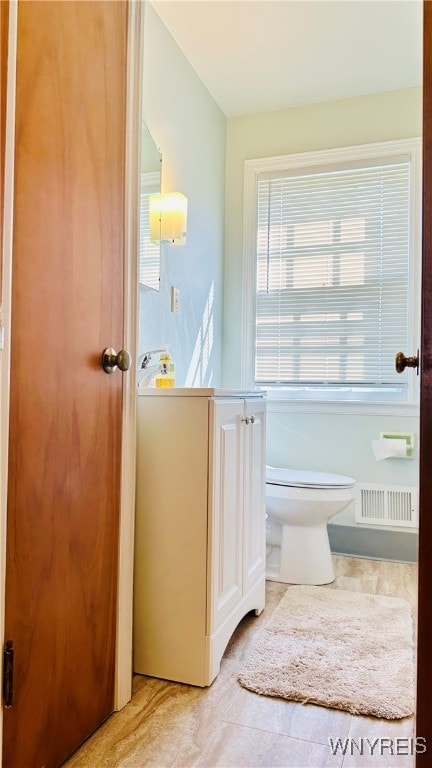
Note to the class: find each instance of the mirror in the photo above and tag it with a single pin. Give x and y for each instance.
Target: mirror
(150, 184)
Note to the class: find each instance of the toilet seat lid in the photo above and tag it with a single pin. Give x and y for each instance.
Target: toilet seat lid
(299, 478)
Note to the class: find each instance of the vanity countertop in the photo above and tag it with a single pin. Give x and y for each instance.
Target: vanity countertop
(197, 392)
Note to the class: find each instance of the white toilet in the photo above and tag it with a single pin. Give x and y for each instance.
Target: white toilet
(299, 505)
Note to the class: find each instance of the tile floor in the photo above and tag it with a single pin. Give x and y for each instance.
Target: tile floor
(170, 725)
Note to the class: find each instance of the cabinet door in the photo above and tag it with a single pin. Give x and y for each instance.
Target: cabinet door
(226, 504)
(254, 493)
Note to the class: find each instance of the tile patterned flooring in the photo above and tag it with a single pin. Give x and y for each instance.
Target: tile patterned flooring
(170, 725)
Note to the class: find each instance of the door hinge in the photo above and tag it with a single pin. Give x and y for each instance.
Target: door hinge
(8, 664)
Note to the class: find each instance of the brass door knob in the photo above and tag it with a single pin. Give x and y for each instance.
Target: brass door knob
(111, 360)
(402, 362)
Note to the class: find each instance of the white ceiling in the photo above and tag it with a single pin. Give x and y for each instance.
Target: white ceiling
(259, 55)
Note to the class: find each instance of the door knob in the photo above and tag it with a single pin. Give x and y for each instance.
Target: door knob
(111, 360)
(402, 362)
(249, 420)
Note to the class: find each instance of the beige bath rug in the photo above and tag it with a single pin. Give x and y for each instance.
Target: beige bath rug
(337, 649)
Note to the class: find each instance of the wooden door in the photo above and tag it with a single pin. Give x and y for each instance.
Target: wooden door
(424, 666)
(254, 549)
(227, 508)
(65, 413)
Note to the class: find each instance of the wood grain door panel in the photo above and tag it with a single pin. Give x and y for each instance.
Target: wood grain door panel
(424, 668)
(65, 413)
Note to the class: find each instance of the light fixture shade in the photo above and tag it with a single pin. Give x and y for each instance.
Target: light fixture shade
(168, 217)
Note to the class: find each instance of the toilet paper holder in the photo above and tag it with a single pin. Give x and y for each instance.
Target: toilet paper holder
(407, 436)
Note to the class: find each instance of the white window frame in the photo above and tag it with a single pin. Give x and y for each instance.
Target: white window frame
(318, 160)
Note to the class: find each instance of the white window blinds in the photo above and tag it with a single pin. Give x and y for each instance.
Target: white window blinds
(332, 276)
(149, 252)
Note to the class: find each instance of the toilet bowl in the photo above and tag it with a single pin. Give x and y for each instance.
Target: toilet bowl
(299, 505)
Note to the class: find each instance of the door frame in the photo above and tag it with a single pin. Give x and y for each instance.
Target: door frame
(123, 674)
(123, 663)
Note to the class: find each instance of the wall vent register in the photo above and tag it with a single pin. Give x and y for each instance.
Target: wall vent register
(387, 505)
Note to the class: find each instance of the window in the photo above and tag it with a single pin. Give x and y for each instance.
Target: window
(149, 252)
(333, 274)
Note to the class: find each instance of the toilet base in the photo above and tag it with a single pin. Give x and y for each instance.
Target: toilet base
(305, 557)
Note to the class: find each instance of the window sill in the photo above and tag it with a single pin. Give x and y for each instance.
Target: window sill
(279, 405)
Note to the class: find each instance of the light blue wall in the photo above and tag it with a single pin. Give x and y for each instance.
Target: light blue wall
(340, 443)
(190, 130)
(334, 442)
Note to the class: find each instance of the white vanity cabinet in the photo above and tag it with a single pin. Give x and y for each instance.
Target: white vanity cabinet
(200, 528)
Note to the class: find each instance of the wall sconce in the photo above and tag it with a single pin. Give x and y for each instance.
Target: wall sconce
(168, 217)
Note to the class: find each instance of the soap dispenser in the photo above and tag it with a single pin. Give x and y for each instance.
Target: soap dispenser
(166, 375)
